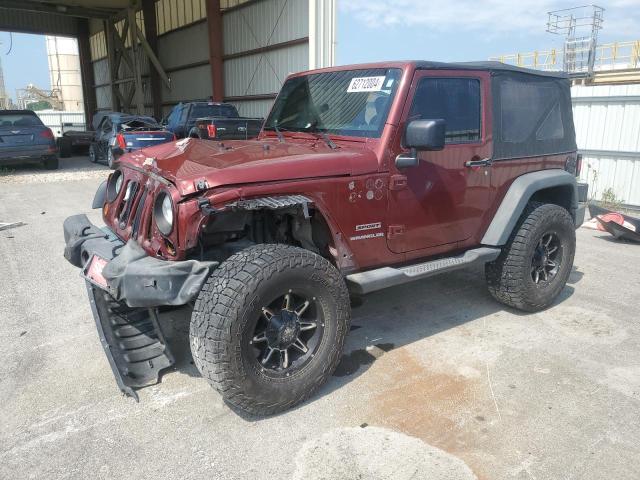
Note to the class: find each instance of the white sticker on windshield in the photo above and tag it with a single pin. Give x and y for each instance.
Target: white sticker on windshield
(366, 84)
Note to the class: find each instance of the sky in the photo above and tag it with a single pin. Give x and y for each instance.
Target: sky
(373, 30)
(25, 63)
(462, 30)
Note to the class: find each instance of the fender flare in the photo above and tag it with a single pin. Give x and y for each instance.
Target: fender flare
(517, 197)
(100, 196)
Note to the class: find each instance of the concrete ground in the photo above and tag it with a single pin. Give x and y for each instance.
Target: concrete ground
(438, 380)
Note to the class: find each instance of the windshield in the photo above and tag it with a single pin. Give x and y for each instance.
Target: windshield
(347, 102)
(198, 111)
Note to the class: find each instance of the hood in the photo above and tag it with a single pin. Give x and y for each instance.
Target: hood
(189, 161)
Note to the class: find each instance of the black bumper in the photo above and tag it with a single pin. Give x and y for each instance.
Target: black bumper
(124, 312)
(132, 276)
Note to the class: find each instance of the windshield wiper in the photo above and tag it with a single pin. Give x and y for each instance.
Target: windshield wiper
(314, 129)
(278, 132)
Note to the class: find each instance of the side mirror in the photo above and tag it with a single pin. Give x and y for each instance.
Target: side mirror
(421, 135)
(425, 134)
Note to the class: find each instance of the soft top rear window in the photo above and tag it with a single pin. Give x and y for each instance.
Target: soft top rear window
(20, 120)
(532, 115)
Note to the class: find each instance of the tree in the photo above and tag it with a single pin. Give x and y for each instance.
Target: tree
(39, 105)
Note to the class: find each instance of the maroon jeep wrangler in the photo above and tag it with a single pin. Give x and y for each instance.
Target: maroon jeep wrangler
(362, 177)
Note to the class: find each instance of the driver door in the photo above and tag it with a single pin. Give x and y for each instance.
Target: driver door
(441, 201)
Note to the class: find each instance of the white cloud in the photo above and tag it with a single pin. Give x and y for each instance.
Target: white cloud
(621, 17)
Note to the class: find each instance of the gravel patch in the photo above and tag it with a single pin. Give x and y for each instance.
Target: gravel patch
(71, 169)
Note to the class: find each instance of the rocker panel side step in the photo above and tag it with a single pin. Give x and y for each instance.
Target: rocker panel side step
(132, 341)
(373, 280)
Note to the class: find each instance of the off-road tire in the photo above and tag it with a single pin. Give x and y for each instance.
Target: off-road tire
(509, 277)
(223, 315)
(51, 163)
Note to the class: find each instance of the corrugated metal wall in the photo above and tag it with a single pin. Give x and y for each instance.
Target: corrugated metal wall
(187, 47)
(607, 120)
(254, 26)
(263, 40)
(31, 22)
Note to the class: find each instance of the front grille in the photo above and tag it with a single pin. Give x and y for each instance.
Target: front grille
(131, 196)
(138, 212)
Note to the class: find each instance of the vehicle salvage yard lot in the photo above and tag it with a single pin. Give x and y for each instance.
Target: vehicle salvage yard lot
(438, 380)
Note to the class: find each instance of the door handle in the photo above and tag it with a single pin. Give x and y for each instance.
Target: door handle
(485, 162)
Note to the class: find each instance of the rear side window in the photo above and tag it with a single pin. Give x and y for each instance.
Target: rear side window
(456, 100)
(19, 120)
(530, 111)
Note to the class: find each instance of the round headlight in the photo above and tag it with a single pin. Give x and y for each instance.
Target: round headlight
(163, 213)
(115, 185)
(118, 184)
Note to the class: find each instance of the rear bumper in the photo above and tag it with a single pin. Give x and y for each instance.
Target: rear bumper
(132, 276)
(125, 312)
(31, 154)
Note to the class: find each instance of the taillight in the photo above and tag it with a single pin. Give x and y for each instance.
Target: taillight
(211, 131)
(578, 164)
(121, 141)
(46, 133)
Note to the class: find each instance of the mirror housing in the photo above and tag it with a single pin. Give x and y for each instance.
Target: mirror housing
(425, 134)
(421, 135)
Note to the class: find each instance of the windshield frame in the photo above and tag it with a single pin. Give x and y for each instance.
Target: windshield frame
(389, 92)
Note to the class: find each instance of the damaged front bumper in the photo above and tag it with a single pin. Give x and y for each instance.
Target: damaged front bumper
(125, 306)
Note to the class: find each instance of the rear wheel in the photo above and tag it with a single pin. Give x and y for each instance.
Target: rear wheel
(269, 325)
(110, 158)
(93, 153)
(536, 262)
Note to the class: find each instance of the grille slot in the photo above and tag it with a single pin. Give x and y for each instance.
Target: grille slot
(132, 188)
(138, 212)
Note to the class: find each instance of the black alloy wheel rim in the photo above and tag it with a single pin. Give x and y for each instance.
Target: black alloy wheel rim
(547, 258)
(287, 334)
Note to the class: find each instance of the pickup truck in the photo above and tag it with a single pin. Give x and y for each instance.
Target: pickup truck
(211, 121)
(363, 177)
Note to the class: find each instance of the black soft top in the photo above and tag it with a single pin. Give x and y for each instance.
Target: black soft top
(532, 112)
(493, 67)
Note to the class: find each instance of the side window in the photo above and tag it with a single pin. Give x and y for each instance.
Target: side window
(530, 107)
(184, 114)
(456, 100)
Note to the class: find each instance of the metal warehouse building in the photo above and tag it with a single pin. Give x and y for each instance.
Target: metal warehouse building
(145, 56)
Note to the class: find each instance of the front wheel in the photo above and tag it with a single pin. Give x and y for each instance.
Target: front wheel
(536, 262)
(269, 325)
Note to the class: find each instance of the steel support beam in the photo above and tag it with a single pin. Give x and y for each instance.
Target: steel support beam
(151, 34)
(113, 68)
(216, 51)
(86, 72)
(138, 93)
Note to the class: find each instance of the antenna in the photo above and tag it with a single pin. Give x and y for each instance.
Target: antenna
(580, 26)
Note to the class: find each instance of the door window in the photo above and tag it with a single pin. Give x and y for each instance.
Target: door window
(456, 100)
(184, 114)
